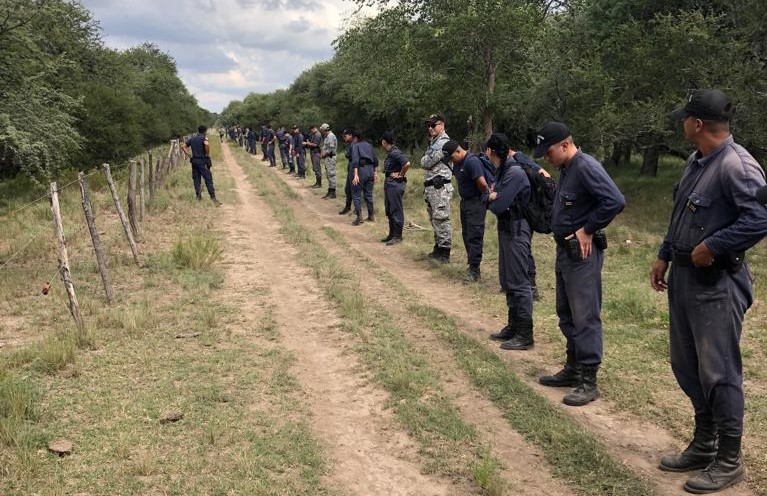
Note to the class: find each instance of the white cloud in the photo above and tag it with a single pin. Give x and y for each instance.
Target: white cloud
(226, 49)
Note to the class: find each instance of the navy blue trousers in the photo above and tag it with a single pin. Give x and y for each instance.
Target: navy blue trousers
(706, 310)
(201, 171)
(473, 213)
(513, 270)
(579, 304)
(394, 191)
(364, 188)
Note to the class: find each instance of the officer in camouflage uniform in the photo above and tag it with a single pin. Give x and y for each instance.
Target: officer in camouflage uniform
(438, 190)
(328, 154)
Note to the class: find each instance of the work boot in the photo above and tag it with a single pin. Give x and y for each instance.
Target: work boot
(699, 453)
(569, 376)
(199, 197)
(215, 201)
(433, 254)
(473, 274)
(371, 216)
(345, 210)
(387, 238)
(333, 193)
(358, 220)
(586, 391)
(317, 183)
(726, 469)
(444, 255)
(394, 240)
(522, 339)
(505, 334)
(327, 195)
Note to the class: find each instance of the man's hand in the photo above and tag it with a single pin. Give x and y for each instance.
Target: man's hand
(585, 241)
(544, 173)
(356, 178)
(492, 196)
(658, 275)
(702, 256)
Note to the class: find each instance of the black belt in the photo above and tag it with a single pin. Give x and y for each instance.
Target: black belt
(684, 259)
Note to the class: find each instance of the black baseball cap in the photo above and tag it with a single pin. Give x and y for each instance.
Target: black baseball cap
(347, 131)
(550, 134)
(708, 105)
(435, 118)
(450, 147)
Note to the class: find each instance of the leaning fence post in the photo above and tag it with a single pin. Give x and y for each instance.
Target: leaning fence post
(66, 275)
(121, 214)
(95, 239)
(142, 202)
(132, 207)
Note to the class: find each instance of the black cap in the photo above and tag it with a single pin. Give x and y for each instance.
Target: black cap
(498, 144)
(708, 105)
(450, 147)
(761, 195)
(550, 134)
(347, 131)
(434, 118)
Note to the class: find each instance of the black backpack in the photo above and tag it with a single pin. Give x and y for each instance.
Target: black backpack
(488, 169)
(542, 194)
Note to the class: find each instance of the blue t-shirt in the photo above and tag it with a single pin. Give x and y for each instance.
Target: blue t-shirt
(395, 161)
(466, 173)
(197, 144)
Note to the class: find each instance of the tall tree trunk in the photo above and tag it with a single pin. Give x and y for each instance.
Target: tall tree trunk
(490, 79)
(650, 161)
(615, 156)
(626, 159)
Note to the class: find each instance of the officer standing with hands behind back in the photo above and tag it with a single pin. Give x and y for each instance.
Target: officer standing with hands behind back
(715, 219)
(586, 201)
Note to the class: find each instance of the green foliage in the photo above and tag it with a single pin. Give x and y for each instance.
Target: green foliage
(198, 250)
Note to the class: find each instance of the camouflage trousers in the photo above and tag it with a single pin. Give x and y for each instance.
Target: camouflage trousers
(330, 171)
(438, 206)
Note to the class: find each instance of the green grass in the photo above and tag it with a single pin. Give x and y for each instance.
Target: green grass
(198, 250)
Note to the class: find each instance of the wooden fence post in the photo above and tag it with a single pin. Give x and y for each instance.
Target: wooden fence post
(95, 239)
(66, 276)
(132, 206)
(121, 213)
(142, 201)
(152, 178)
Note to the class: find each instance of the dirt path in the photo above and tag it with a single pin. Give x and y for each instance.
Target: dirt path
(370, 455)
(637, 443)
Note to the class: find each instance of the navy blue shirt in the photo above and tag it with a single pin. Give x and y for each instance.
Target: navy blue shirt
(298, 143)
(466, 173)
(715, 203)
(586, 197)
(197, 144)
(512, 187)
(315, 139)
(363, 154)
(525, 160)
(395, 161)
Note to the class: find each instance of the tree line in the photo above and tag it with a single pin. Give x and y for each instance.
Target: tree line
(66, 100)
(611, 69)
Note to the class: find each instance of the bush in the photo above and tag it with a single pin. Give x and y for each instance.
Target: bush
(198, 250)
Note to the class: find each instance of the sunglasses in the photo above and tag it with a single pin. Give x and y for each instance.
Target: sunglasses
(432, 124)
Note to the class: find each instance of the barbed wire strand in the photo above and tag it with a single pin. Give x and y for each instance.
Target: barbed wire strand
(47, 195)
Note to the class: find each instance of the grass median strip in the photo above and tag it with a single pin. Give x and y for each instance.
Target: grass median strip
(448, 444)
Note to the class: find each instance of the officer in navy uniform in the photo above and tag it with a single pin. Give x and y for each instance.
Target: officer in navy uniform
(280, 135)
(298, 153)
(200, 151)
(587, 200)
(314, 144)
(510, 192)
(262, 138)
(364, 162)
(715, 219)
(270, 139)
(348, 136)
(250, 136)
(396, 166)
(473, 189)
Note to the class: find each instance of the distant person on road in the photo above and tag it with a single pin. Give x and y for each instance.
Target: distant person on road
(438, 189)
(200, 152)
(507, 198)
(714, 220)
(363, 165)
(587, 200)
(328, 154)
(298, 153)
(396, 166)
(473, 189)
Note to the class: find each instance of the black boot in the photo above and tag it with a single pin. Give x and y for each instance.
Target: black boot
(726, 469)
(523, 339)
(473, 274)
(332, 192)
(317, 183)
(327, 195)
(569, 376)
(347, 208)
(444, 255)
(371, 216)
(358, 220)
(433, 254)
(388, 237)
(586, 391)
(699, 453)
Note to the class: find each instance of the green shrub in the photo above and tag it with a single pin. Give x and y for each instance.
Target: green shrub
(198, 250)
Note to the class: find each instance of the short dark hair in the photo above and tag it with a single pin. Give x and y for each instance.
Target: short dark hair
(356, 134)
(716, 126)
(201, 129)
(388, 137)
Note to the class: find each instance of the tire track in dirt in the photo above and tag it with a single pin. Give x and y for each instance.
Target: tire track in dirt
(637, 443)
(370, 456)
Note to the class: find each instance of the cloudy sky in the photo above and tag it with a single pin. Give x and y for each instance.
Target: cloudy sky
(226, 49)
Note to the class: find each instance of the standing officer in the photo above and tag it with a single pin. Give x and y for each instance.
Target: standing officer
(280, 135)
(587, 200)
(263, 134)
(508, 196)
(396, 166)
(328, 153)
(270, 140)
(438, 189)
(473, 189)
(298, 152)
(314, 143)
(250, 136)
(348, 136)
(201, 163)
(364, 163)
(715, 219)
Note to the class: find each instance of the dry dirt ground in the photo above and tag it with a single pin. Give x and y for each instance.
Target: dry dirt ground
(370, 454)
